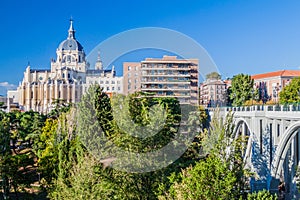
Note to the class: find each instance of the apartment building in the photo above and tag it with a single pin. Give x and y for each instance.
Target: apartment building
(164, 77)
(271, 83)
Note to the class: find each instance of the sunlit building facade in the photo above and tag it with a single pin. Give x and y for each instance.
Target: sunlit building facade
(164, 77)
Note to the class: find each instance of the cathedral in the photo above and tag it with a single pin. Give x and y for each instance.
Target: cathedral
(66, 81)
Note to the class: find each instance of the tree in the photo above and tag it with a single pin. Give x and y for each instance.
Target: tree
(241, 89)
(5, 154)
(122, 120)
(213, 75)
(86, 180)
(219, 174)
(208, 179)
(266, 195)
(291, 92)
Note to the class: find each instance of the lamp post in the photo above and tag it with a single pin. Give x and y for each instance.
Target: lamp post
(276, 90)
(252, 93)
(299, 100)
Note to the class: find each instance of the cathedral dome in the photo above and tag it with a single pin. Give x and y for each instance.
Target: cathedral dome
(70, 43)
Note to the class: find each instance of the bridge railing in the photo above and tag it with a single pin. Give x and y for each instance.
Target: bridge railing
(274, 108)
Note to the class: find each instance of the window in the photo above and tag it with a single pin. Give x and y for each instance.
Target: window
(101, 82)
(112, 82)
(63, 75)
(119, 88)
(107, 82)
(107, 88)
(113, 88)
(129, 68)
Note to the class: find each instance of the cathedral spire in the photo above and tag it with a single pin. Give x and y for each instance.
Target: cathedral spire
(98, 57)
(98, 64)
(71, 30)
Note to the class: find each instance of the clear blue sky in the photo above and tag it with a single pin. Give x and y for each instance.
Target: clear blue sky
(241, 36)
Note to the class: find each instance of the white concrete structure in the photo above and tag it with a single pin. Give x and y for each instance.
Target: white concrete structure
(273, 147)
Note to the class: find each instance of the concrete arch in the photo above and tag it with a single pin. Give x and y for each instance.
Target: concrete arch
(283, 147)
(238, 122)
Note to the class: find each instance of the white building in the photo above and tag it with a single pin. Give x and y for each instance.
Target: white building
(67, 79)
(107, 79)
(213, 92)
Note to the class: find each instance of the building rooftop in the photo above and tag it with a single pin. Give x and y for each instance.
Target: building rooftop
(281, 73)
(39, 70)
(168, 59)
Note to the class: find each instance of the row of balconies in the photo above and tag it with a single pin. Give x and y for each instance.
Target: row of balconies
(166, 68)
(166, 81)
(165, 89)
(165, 65)
(166, 74)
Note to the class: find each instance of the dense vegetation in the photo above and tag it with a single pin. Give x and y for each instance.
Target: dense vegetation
(291, 92)
(74, 152)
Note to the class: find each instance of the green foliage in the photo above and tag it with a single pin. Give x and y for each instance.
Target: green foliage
(60, 106)
(47, 152)
(261, 195)
(241, 89)
(5, 154)
(291, 92)
(84, 182)
(208, 179)
(19, 129)
(213, 75)
(210, 168)
(118, 121)
(219, 174)
(152, 122)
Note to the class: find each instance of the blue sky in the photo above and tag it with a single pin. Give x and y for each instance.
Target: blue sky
(241, 36)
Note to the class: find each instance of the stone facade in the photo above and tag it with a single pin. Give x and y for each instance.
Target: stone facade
(66, 81)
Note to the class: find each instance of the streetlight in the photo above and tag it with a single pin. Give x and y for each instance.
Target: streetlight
(299, 99)
(252, 93)
(276, 90)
